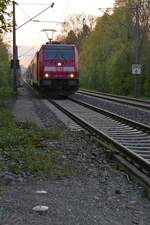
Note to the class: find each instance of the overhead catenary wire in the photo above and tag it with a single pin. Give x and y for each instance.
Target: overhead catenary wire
(47, 21)
(23, 11)
(23, 3)
(24, 54)
(50, 6)
(26, 60)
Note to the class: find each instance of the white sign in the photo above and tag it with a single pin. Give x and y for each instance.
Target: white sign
(136, 69)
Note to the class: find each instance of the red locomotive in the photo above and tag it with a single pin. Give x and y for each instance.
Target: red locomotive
(55, 68)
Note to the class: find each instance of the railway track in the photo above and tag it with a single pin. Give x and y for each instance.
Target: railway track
(131, 139)
(143, 104)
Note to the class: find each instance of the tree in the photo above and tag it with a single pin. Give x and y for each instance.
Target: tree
(76, 22)
(77, 28)
(109, 50)
(5, 79)
(71, 38)
(4, 16)
(106, 55)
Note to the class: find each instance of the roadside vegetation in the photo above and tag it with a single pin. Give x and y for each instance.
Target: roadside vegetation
(5, 77)
(107, 47)
(25, 148)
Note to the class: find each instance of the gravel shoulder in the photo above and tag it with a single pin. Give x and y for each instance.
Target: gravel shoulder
(97, 193)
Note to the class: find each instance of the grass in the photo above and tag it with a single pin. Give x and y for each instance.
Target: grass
(26, 149)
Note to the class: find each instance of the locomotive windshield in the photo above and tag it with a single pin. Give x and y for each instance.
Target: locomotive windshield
(59, 54)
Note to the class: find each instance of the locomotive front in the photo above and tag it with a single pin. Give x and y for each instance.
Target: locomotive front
(58, 68)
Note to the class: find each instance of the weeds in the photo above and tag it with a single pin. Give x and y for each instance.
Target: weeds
(25, 148)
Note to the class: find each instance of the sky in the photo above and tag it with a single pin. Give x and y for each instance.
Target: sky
(30, 36)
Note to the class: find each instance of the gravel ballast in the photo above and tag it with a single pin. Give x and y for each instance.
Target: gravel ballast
(96, 194)
(131, 112)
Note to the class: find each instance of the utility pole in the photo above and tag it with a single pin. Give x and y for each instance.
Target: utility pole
(136, 76)
(14, 50)
(137, 35)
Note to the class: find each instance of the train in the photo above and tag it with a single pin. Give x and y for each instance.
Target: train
(55, 69)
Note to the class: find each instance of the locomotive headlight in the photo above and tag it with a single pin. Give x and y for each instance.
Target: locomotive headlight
(59, 64)
(71, 75)
(46, 75)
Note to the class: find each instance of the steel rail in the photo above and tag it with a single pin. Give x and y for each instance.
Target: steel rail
(133, 123)
(99, 134)
(120, 99)
(117, 96)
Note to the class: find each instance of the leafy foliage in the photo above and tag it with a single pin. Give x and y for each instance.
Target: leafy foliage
(108, 52)
(119, 39)
(5, 78)
(77, 28)
(4, 16)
